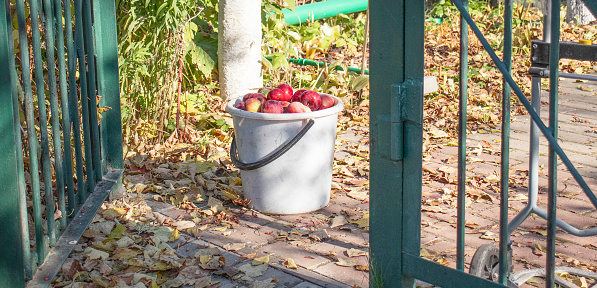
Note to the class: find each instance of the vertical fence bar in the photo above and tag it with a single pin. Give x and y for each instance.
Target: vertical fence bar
(43, 126)
(68, 160)
(31, 135)
(91, 77)
(462, 123)
(107, 79)
(83, 81)
(554, 60)
(74, 104)
(55, 116)
(505, 149)
(11, 256)
(14, 79)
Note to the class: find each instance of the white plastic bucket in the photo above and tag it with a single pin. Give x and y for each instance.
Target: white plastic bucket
(297, 181)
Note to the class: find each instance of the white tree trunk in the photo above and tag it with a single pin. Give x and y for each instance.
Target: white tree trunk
(577, 12)
(239, 47)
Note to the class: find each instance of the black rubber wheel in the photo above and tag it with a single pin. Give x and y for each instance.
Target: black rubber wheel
(485, 263)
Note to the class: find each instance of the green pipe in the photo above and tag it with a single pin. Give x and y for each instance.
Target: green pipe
(307, 62)
(324, 9)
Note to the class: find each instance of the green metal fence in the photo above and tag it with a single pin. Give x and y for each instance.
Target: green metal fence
(397, 38)
(59, 157)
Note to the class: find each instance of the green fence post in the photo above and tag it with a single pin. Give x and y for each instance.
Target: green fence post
(106, 49)
(11, 257)
(396, 109)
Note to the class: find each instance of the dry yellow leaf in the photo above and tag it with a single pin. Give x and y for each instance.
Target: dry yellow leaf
(289, 263)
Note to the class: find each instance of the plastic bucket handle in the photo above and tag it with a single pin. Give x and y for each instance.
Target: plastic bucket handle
(271, 157)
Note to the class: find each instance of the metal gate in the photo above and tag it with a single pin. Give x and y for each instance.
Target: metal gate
(397, 38)
(61, 138)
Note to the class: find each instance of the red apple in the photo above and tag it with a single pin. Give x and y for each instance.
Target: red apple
(258, 96)
(297, 107)
(240, 105)
(327, 101)
(277, 94)
(296, 97)
(272, 106)
(287, 89)
(311, 99)
(253, 105)
(284, 103)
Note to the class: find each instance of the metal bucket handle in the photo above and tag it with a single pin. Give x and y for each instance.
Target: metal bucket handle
(273, 156)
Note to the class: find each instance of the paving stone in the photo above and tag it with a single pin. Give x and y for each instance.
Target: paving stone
(188, 250)
(300, 256)
(347, 275)
(305, 284)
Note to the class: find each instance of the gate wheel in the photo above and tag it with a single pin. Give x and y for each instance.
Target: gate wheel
(485, 263)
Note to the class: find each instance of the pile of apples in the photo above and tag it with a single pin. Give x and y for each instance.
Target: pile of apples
(282, 99)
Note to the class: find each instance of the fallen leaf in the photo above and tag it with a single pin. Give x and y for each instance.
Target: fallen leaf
(362, 268)
(183, 224)
(92, 253)
(260, 260)
(346, 263)
(338, 220)
(358, 195)
(234, 246)
(253, 270)
(289, 263)
(356, 252)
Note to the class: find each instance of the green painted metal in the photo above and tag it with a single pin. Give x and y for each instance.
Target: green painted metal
(11, 264)
(68, 161)
(83, 82)
(552, 161)
(92, 94)
(324, 9)
(31, 136)
(505, 147)
(55, 115)
(73, 104)
(75, 230)
(60, 91)
(24, 225)
(107, 74)
(397, 37)
(50, 237)
(442, 276)
(462, 125)
(591, 4)
(319, 64)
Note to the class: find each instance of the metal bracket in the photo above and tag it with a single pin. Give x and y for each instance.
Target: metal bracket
(401, 114)
(568, 50)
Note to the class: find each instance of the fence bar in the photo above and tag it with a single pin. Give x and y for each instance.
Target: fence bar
(73, 105)
(68, 160)
(505, 148)
(525, 102)
(462, 123)
(14, 79)
(552, 161)
(55, 116)
(43, 128)
(83, 81)
(92, 94)
(106, 45)
(11, 258)
(31, 135)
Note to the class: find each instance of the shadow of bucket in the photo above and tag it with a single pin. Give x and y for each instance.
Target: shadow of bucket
(285, 159)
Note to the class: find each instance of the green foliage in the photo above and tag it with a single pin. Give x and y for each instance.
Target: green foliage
(312, 40)
(154, 38)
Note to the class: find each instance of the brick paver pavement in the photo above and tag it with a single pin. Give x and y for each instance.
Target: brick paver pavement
(317, 248)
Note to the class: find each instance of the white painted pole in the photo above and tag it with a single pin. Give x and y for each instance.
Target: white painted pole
(239, 47)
